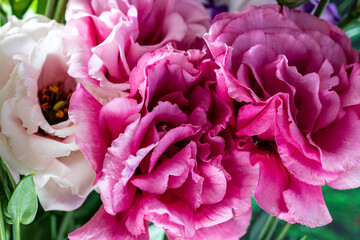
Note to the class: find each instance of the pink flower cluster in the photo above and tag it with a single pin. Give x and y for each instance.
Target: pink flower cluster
(182, 131)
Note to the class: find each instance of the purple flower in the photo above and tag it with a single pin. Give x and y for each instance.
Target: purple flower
(215, 7)
(330, 13)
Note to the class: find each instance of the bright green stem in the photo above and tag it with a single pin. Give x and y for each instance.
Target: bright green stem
(321, 7)
(60, 10)
(49, 11)
(2, 225)
(269, 228)
(16, 230)
(283, 231)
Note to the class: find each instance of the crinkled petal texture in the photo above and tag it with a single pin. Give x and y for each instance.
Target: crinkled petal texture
(166, 154)
(31, 142)
(105, 39)
(294, 79)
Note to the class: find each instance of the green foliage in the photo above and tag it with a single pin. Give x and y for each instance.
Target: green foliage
(56, 225)
(23, 203)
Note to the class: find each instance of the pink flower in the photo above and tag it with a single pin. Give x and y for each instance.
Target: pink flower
(36, 135)
(166, 154)
(105, 39)
(295, 81)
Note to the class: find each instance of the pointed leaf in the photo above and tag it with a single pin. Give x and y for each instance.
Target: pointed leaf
(23, 203)
(20, 7)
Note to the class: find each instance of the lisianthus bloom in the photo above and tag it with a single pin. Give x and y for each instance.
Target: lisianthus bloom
(36, 135)
(294, 79)
(105, 39)
(166, 154)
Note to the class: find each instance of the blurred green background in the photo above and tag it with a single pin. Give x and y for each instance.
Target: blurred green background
(344, 207)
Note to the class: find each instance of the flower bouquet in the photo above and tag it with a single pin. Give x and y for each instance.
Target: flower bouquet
(176, 119)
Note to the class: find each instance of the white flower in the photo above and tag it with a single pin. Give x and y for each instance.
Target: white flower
(36, 134)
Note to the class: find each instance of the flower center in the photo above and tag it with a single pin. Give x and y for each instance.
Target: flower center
(54, 103)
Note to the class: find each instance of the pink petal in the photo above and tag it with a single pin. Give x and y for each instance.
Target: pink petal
(84, 112)
(233, 229)
(340, 143)
(173, 216)
(284, 196)
(302, 199)
(170, 173)
(115, 115)
(348, 179)
(105, 226)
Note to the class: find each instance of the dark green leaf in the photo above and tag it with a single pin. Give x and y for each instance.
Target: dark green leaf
(8, 184)
(23, 203)
(292, 3)
(19, 7)
(7, 217)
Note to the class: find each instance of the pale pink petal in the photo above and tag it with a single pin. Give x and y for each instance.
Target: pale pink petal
(347, 180)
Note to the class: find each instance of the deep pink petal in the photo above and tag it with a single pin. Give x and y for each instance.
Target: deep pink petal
(340, 143)
(170, 173)
(84, 112)
(105, 226)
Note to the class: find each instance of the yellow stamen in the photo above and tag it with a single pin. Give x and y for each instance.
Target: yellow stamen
(59, 114)
(54, 88)
(45, 106)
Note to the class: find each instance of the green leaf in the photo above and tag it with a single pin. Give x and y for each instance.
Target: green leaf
(41, 6)
(19, 7)
(23, 203)
(6, 215)
(8, 184)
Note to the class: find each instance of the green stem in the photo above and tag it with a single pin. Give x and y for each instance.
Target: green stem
(16, 230)
(283, 231)
(53, 223)
(321, 7)
(269, 228)
(49, 11)
(60, 10)
(2, 225)
(64, 225)
(344, 5)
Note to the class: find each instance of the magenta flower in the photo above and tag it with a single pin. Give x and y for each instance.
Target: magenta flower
(166, 154)
(295, 82)
(105, 39)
